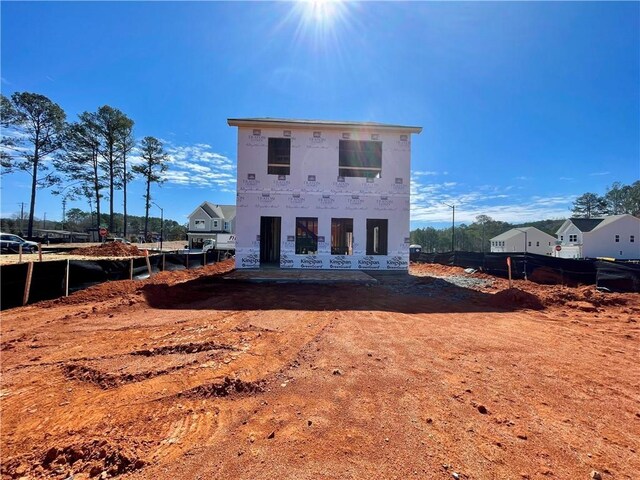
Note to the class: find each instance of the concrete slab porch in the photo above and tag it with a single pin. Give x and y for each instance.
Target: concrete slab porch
(294, 275)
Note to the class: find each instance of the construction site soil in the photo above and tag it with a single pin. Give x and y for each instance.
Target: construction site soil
(435, 375)
(112, 249)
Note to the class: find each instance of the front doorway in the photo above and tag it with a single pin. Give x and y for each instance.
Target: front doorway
(270, 240)
(377, 234)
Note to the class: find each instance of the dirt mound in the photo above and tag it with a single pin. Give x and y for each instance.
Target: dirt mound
(186, 348)
(92, 458)
(228, 387)
(514, 297)
(112, 249)
(107, 380)
(126, 291)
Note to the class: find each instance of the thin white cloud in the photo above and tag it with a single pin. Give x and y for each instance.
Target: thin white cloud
(199, 166)
(429, 204)
(598, 174)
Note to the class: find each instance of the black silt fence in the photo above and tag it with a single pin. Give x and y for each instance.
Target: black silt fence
(539, 268)
(48, 278)
(47, 281)
(618, 277)
(12, 280)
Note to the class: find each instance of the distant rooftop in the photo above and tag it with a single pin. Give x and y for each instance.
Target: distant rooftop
(586, 224)
(292, 122)
(518, 231)
(590, 224)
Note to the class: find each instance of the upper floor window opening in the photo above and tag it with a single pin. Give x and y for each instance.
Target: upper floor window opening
(279, 156)
(360, 158)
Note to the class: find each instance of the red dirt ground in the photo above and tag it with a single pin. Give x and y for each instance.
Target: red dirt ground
(112, 249)
(187, 376)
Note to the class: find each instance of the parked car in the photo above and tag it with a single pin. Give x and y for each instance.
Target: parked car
(10, 243)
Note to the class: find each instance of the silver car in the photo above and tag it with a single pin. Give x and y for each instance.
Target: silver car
(10, 243)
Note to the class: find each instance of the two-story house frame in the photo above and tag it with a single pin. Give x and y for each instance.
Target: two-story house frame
(209, 219)
(323, 194)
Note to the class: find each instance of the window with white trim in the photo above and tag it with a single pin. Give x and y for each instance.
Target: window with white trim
(199, 224)
(573, 238)
(632, 238)
(617, 238)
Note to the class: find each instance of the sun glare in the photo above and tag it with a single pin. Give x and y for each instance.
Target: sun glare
(321, 10)
(320, 24)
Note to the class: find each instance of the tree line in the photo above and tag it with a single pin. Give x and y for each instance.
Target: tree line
(618, 199)
(78, 220)
(89, 158)
(474, 237)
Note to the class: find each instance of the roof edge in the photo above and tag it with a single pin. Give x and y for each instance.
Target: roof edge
(277, 122)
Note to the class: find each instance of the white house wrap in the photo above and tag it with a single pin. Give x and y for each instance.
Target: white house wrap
(323, 195)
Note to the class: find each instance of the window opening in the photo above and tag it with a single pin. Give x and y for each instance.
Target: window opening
(360, 158)
(306, 235)
(279, 157)
(342, 236)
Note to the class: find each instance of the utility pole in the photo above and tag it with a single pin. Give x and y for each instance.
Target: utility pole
(21, 216)
(64, 211)
(161, 222)
(90, 210)
(453, 227)
(525, 250)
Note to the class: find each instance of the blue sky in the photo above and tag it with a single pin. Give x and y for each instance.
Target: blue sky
(524, 105)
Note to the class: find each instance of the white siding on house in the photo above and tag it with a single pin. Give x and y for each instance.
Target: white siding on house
(601, 241)
(513, 240)
(209, 219)
(199, 220)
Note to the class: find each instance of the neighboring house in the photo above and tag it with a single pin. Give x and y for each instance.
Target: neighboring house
(322, 194)
(525, 239)
(615, 236)
(209, 219)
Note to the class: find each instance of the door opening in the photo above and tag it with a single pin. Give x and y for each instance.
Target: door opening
(270, 240)
(377, 233)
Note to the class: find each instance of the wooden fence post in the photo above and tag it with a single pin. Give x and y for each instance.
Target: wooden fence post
(27, 284)
(66, 280)
(146, 256)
